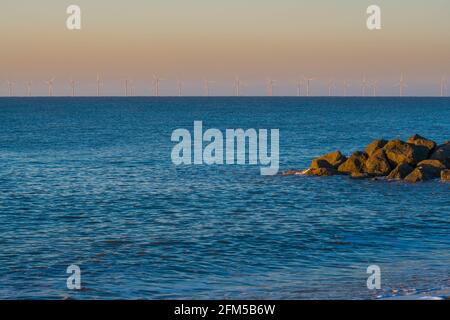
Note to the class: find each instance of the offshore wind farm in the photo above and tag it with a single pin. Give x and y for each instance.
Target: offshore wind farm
(321, 87)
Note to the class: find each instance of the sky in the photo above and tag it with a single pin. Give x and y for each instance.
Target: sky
(195, 40)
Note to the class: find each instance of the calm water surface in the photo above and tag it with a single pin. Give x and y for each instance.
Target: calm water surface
(90, 182)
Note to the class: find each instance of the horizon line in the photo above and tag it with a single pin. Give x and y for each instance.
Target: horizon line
(221, 96)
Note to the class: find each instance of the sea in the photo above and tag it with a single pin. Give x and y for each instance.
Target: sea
(90, 182)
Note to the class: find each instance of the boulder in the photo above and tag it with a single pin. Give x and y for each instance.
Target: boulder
(354, 164)
(432, 163)
(321, 172)
(334, 160)
(320, 163)
(400, 172)
(421, 141)
(378, 164)
(442, 153)
(423, 173)
(375, 145)
(445, 175)
(417, 176)
(401, 152)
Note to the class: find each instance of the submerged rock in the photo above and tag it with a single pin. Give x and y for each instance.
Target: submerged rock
(421, 141)
(378, 164)
(445, 175)
(354, 164)
(400, 172)
(359, 175)
(292, 172)
(320, 172)
(330, 160)
(401, 152)
(375, 145)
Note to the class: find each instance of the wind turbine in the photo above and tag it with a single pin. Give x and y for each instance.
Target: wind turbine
(237, 86)
(444, 84)
(364, 86)
(131, 85)
(402, 85)
(346, 86)
(72, 86)
(331, 85)
(99, 84)
(11, 87)
(308, 85)
(29, 84)
(299, 84)
(270, 85)
(50, 86)
(374, 86)
(206, 84)
(127, 85)
(180, 87)
(156, 82)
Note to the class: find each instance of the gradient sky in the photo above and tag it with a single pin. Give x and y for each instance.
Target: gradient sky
(197, 39)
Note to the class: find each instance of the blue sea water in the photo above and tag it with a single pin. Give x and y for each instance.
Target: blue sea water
(89, 181)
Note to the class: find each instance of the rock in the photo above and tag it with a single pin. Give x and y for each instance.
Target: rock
(421, 141)
(321, 172)
(400, 172)
(442, 153)
(432, 168)
(377, 164)
(334, 159)
(401, 152)
(445, 175)
(292, 173)
(433, 163)
(354, 164)
(375, 145)
(359, 175)
(416, 176)
(423, 173)
(320, 163)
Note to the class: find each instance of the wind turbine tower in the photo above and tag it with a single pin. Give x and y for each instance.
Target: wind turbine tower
(444, 84)
(156, 84)
(131, 85)
(402, 85)
(331, 86)
(364, 86)
(50, 86)
(99, 84)
(72, 86)
(237, 86)
(374, 88)
(29, 84)
(11, 87)
(299, 84)
(126, 84)
(308, 85)
(270, 85)
(180, 87)
(206, 84)
(346, 86)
